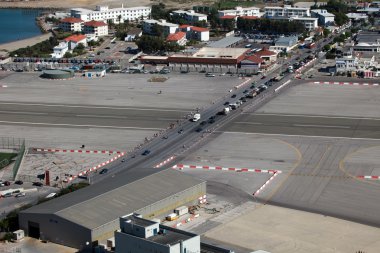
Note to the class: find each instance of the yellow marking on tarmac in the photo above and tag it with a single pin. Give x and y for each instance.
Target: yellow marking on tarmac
(299, 154)
(343, 169)
(320, 160)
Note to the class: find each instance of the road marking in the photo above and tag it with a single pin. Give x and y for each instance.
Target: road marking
(98, 107)
(29, 113)
(74, 125)
(320, 160)
(298, 135)
(310, 116)
(99, 116)
(325, 126)
(249, 123)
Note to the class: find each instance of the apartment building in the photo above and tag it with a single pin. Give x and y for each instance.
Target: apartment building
(98, 28)
(195, 33)
(190, 16)
(167, 28)
(71, 24)
(240, 11)
(115, 15)
(324, 17)
(287, 11)
(309, 22)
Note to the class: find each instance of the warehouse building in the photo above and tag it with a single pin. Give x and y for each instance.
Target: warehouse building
(88, 217)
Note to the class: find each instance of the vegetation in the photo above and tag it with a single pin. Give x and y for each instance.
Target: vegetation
(229, 4)
(6, 158)
(159, 11)
(53, 20)
(339, 9)
(150, 44)
(326, 33)
(42, 49)
(72, 188)
(270, 26)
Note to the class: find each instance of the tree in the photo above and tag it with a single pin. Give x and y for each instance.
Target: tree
(326, 33)
(68, 55)
(157, 30)
(158, 11)
(327, 48)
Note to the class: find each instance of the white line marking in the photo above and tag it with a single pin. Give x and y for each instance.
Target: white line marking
(29, 113)
(100, 116)
(326, 126)
(73, 125)
(310, 116)
(296, 135)
(97, 107)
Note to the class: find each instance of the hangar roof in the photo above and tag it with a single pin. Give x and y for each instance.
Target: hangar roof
(112, 198)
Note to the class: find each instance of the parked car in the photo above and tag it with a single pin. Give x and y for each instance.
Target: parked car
(21, 194)
(37, 184)
(103, 171)
(146, 152)
(19, 182)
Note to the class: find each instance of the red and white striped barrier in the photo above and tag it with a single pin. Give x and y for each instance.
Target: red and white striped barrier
(193, 217)
(299, 71)
(183, 166)
(266, 183)
(164, 162)
(349, 83)
(77, 151)
(83, 173)
(369, 177)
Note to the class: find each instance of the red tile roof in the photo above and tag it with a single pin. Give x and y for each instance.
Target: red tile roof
(76, 38)
(71, 20)
(254, 58)
(199, 29)
(228, 17)
(176, 36)
(94, 23)
(249, 17)
(185, 26)
(265, 52)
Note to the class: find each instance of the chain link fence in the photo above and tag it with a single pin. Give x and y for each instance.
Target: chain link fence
(11, 143)
(19, 158)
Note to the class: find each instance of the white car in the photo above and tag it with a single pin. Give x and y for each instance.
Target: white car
(210, 75)
(51, 195)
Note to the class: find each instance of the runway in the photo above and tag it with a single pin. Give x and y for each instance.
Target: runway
(80, 116)
(305, 125)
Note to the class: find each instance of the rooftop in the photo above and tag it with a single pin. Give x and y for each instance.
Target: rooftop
(115, 197)
(169, 238)
(139, 221)
(76, 38)
(225, 42)
(228, 17)
(94, 23)
(265, 52)
(176, 36)
(71, 20)
(213, 52)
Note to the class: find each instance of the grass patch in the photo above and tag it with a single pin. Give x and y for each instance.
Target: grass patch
(224, 5)
(4, 157)
(157, 79)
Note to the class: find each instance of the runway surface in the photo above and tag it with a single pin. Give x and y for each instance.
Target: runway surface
(349, 127)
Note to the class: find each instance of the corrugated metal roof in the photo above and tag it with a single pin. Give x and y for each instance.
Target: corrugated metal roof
(225, 42)
(99, 204)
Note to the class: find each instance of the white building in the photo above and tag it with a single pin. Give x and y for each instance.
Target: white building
(178, 38)
(137, 235)
(60, 50)
(324, 17)
(74, 40)
(190, 16)
(99, 28)
(357, 16)
(284, 44)
(308, 22)
(167, 27)
(195, 33)
(287, 11)
(240, 11)
(71, 24)
(116, 15)
(371, 47)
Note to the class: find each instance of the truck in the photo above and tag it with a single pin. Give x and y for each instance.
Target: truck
(252, 94)
(196, 117)
(226, 110)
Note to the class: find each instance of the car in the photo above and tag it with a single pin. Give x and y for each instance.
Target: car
(51, 195)
(146, 152)
(180, 131)
(210, 75)
(103, 171)
(199, 129)
(263, 77)
(211, 121)
(37, 184)
(203, 123)
(19, 182)
(212, 118)
(6, 195)
(107, 48)
(6, 183)
(233, 96)
(244, 99)
(245, 91)
(21, 194)
(226, 103)
(253, 86)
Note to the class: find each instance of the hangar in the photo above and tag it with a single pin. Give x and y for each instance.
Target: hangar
(89, 216)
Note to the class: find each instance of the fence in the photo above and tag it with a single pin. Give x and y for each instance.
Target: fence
(19, 158)
(11, 143)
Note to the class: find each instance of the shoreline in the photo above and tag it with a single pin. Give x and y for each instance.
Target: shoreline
(10, 5)
(13, 45)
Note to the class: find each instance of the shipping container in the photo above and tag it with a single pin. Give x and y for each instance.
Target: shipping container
(181, 210)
